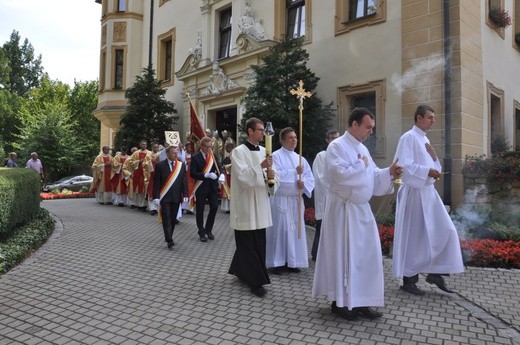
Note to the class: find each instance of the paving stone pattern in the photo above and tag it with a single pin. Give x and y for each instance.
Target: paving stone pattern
(107, 277)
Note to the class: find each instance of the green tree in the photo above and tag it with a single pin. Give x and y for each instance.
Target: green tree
(4, 70)
(82, 102)
(25, 70)
(148, 115)
(48, 128)
(9, 122)
(269, 99)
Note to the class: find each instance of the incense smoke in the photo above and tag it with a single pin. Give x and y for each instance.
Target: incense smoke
(418, 75)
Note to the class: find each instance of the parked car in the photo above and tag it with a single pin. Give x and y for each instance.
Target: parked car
(73, 183)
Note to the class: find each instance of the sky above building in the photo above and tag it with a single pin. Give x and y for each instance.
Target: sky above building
(65, 32)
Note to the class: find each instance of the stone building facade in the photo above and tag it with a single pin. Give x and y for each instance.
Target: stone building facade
(389, 56)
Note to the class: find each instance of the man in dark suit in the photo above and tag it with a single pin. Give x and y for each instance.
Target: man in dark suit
(169, 190)
(204, 169)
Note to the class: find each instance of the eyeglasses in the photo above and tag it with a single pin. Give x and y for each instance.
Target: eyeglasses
(260, 129)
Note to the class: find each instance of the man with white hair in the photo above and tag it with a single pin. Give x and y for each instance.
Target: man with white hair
(35, 164)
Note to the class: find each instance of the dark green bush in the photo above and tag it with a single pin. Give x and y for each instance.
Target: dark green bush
(25, 239)
(19, 197)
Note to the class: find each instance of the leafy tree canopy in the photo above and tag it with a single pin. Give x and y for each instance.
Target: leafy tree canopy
(270, 98)
(37, 114)
(148, 115)
(4, 70)
(50, 131)
(57, 122)
(9, 107)
(82, 102)
(24, 69)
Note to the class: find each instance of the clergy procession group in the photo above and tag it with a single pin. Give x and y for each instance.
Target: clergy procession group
(263, 195)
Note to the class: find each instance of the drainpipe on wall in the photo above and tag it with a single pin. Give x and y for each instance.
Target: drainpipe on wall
(151, 35)
(447, 103)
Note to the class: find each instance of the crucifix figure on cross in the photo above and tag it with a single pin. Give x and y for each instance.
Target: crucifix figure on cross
(300, 94)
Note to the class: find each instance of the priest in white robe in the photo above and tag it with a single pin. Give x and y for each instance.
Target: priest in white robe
(284, 249)
(250, 212)
(425, 240)
(320, 190)
(349, 266)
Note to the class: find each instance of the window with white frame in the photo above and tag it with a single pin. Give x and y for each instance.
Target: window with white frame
(295, 18)
(119, 59)
(225, 23)
(354, 14)
(370, 96)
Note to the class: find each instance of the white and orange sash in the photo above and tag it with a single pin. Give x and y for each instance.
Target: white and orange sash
(168, 184)
(207, 169)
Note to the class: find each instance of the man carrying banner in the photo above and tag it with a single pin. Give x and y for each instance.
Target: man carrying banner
(170, 189)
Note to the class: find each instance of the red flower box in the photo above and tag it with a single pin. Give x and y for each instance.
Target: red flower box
(73, 195)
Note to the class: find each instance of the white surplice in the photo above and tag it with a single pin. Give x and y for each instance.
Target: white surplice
(320, 188)
(425, 239)
(282, 243)
(250, 209)
(349, 266)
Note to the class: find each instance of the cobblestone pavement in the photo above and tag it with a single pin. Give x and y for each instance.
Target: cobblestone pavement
(107, 277)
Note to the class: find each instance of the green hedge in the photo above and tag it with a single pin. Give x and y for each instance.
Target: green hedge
(19, 198)
(25, 239)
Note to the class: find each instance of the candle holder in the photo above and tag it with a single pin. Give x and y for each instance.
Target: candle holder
(269, 132)
(397, 181)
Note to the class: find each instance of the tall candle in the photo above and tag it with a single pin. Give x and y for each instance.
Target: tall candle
(268, 144)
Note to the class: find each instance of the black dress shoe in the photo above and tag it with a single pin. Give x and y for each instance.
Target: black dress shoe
(170, 244)
(258, 291)
(132, 206)
(277, 270)
(177, 221)
(368, 313)
(412, 288)
(294, 269)
(210, 236)
(153, 212)
(343, 312)
(203, 238)
(439, 281)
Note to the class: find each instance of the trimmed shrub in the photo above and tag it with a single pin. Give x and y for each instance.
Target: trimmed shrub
(25, 239)
(19, 198)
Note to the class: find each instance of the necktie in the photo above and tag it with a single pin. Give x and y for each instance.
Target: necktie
(171, 166)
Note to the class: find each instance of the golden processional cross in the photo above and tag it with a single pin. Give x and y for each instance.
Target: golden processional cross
(301, 94)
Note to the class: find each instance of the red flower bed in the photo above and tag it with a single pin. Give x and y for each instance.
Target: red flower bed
(309, 216)
(491, 253)
(476, 252)
(73, 195)
(386, 234)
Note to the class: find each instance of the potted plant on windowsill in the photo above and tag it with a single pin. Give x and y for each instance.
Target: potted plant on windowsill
(499, 17)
